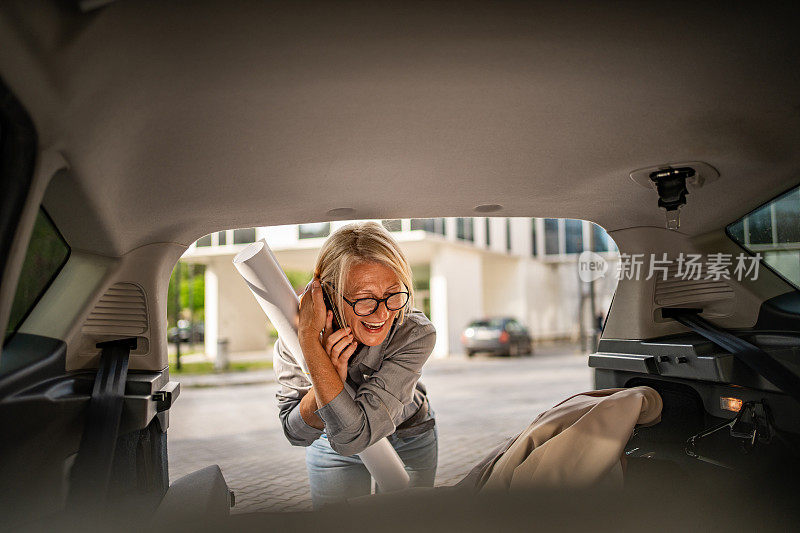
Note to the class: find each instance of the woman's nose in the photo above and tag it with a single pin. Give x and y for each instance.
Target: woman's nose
(381, 313)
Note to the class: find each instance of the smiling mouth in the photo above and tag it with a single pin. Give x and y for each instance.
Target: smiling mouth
(373, 326)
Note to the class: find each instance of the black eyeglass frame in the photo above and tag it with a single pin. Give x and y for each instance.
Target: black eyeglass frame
(377, 301)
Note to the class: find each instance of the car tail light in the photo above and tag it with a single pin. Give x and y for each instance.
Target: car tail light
(504, 337)
(731, 404)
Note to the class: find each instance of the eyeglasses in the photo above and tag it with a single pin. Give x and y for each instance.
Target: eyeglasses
(367, 306)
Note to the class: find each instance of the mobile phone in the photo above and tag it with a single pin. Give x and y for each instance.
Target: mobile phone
(329, 305)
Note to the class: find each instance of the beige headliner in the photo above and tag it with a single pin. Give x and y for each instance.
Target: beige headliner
(180, 118)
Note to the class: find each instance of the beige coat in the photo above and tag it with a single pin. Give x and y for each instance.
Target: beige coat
(578, 443)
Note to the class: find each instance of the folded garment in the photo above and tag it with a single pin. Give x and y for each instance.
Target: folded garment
(577, 444)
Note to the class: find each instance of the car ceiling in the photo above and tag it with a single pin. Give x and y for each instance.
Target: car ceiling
(181, 118)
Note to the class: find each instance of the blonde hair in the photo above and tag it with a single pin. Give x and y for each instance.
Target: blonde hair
(360, 242)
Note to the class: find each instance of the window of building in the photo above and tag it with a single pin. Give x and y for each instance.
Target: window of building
(488, 233)
(222, 238)
(508, 234)
(424, 224)
(204, 241)
(431, 225)
(600, 239)
(533, 236)
(47, 253)
(313, 231)
(244, 235)
(736, 231)
(573, 232)
(465, 230)
(773, 230)
(759, 226)
(551, 239)
(392, 224)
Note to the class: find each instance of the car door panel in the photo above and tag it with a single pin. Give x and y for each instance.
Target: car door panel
(42, 412)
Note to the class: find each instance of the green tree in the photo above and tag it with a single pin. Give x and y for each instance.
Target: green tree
(298, 278)
(198, 291)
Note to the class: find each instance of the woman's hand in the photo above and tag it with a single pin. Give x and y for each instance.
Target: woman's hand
(339, 345)
(310, 323)
(311, 319)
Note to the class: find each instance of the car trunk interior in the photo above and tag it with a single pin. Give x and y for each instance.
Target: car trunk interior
(158, 123)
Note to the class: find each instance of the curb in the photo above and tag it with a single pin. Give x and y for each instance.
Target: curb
(225, 379)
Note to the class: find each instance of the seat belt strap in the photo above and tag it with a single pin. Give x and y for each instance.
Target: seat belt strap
(92, 469)
(752, 356)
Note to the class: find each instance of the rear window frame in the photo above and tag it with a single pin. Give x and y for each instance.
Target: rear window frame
(488, 323)
(49, 282)
(741, 245)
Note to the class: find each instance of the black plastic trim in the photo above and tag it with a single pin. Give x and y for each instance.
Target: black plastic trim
(787, 415)
(18, 145)
(18, 371)
(751, 355)
(780, 313)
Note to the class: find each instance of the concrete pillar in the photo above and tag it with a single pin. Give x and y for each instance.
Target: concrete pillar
(438, 295)
(211, 310)
(505, 291)
(456, 296)
(241, 320)
(450, 229)
(521, 236)
(523, 299)
(479, 231)
(497, 237)
(555, 292)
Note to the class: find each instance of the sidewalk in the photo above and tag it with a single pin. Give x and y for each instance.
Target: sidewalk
(478, 401)
(198, 356)
(267, 375)
(226, 378)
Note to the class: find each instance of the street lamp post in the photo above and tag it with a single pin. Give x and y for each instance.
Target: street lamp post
(190, 276)
(177, 316)
(594, 330)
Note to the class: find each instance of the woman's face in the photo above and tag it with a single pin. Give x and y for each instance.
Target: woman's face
(370, 280)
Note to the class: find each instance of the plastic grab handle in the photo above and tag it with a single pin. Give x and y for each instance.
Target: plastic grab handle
(275, 295)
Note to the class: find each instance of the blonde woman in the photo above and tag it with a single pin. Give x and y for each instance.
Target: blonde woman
(379, 350)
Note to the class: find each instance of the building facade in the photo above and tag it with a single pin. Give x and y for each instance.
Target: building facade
(464, 269)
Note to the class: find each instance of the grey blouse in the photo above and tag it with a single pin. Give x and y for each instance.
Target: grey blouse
(385, 378)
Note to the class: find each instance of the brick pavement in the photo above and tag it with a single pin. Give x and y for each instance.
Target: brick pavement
(478, 403)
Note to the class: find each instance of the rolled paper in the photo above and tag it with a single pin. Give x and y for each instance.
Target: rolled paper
(385, 466)
(275, 295)
(273, 292)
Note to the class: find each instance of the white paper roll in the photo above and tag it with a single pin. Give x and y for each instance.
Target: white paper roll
(269, 284)
(275, 295)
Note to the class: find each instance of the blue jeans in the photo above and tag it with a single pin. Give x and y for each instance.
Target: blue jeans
(336, 477)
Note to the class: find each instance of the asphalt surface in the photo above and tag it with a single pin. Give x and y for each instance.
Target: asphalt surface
(478, 403)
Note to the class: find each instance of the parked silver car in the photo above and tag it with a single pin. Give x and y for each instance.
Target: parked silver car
(500, 336)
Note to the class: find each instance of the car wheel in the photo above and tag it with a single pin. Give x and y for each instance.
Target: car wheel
(527, 347)
(470, 353)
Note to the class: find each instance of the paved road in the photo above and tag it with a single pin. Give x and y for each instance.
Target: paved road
(478, 403)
